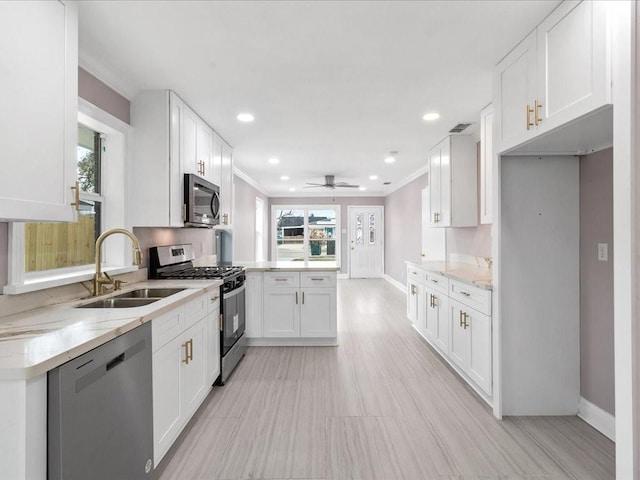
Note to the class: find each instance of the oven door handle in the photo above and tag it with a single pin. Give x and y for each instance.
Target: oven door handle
(233, 293)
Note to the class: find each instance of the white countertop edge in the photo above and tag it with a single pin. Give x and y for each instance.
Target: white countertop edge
(140, 315)
(289, 266)
(451, 273)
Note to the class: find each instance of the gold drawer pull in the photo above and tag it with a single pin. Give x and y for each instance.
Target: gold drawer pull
(315, 279)
(434, 281)
(466, 294)
(186, 353)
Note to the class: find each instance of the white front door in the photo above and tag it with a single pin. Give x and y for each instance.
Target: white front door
(366, 242)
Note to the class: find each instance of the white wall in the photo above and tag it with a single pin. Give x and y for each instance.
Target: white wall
(244, 221)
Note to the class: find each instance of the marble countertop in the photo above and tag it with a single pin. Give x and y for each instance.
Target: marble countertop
(33, 342)
(289, 266)
(474, 275)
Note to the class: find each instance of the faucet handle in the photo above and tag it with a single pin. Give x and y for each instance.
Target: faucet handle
(117, 284)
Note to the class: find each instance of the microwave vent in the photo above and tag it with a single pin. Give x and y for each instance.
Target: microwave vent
(459, 127)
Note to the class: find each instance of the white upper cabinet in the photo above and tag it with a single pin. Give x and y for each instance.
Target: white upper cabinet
(453, 174)
(515, 90)
(486, 164)
(574, 77)
(39, 115)
(171, 140)
(558, 73)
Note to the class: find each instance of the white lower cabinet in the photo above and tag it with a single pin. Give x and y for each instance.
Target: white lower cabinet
(281, 312)
(437, 318)
(291, 307)
(454, 317)
(471, 343)
(213, 338)
(182, 367)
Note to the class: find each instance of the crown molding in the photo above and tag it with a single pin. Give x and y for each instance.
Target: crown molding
(417, 174)
(242, 175)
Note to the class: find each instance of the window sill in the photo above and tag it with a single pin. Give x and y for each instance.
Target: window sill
(51, 281)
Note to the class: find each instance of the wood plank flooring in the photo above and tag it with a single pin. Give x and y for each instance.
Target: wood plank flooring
(381, 405)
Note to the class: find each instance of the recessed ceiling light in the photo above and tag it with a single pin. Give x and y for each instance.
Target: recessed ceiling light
(284, 177)
(362, 189)
(390, 159)
(373, 177)
(431, 116)
(274, 161)
(245, 117)
(292, 189)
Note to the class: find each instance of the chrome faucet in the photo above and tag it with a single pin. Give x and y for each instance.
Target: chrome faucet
(101, 279)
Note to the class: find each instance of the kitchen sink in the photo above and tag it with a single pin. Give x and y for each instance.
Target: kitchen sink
(150, 293)
(119, 303)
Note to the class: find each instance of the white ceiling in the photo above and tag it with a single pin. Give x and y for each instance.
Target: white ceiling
(334, 85)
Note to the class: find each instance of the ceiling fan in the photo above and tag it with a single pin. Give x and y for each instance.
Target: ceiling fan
(330, 182)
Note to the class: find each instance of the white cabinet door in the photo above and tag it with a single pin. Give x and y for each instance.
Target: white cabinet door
(574, 77)
(204, 151)
(434, 186)
(189, 142)
(39, 114)
(194, 386)
(318, 312)
(213, 344)
(434, 245)
(167, 405)
(253, 301)
(459, 344)
(414, 300)
(438, 319)
(216, 159)
(479, 368)
(226, 185)
(515, 84)
(486, 164)
(281, 312)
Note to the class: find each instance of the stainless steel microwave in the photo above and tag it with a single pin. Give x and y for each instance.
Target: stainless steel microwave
(201, 202)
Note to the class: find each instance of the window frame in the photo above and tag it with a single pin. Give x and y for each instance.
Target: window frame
(117, 254)
(259, 234)
(306, 248)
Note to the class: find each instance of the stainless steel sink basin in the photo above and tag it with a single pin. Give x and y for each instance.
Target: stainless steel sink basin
(150, 293)
(119, 303)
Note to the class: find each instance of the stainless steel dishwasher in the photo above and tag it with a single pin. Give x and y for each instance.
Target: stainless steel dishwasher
(100, 423)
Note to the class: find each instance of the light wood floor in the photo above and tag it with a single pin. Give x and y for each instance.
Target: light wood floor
(381, 405)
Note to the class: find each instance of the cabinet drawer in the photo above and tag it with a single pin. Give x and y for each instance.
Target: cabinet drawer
(282, 279)
(166, 327)
(318, 279)
(196, 310)
(416, 274)
(437, 282)
(473, 297)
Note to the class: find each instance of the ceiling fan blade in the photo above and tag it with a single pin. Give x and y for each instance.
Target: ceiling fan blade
(316, 184)
(347, 186)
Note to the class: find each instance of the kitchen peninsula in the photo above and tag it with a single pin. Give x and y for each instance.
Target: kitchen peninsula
(291, 303)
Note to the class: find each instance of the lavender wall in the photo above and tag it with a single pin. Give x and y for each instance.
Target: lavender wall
(596, 280)
(102, 96)
(344, 203)
(244, 221)
(403, 228)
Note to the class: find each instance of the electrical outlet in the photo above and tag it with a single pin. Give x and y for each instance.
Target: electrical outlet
(603, 252)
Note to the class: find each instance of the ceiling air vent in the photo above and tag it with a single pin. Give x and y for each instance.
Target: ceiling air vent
(459, 127)
(387, 183)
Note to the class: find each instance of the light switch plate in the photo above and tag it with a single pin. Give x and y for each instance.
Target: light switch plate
(603, 252)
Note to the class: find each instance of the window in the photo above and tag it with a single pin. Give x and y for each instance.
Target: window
(306, 234)
(44, 255)
(49, 246)
(259, 230)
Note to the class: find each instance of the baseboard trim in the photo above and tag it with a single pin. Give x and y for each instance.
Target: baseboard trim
(598, 418)
(342, 276)
(395, 283)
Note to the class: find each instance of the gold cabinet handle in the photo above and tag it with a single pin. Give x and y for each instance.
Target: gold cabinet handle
(413, 291)
(435, 301)
(529, 112)
(460, 318)
(191, 349)
(303, 298)
(296, 298)
(465, 316)
(423, 255)
(536, 116)
(215, 298)
(466, 294)
(434, 281)
(186, 353)
(76, 196)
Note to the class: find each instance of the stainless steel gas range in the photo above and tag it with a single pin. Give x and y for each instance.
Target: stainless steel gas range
(176, 262)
